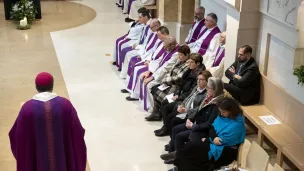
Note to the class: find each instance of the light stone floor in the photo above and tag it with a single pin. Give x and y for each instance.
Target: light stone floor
(117, 136)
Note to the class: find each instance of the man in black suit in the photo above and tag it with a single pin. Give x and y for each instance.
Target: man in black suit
(244, 76)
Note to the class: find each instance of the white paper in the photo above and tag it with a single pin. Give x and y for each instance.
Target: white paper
(163, 87)
(270, 120)
(182, 115)
(169, 97)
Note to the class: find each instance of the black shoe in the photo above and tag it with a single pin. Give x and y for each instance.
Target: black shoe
(128, 20)
(159, 130)
(163, 133)
(167, 147)
(168, 156)
(171, 161)
(124, 13)
(153, 117)
(131, 99)
(113, 63)
(124, 91)
(119, 6)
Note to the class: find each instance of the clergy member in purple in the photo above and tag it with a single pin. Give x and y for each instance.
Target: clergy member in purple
(197, 26)
(47, 134)
(209, 38)
(217, 68)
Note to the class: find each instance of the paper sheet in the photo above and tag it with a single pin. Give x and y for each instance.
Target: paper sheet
(270, 120)
(163, 87)
(169, 98)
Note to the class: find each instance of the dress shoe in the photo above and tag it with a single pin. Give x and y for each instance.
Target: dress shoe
(131, 99)
(119, 6)
(171, 161)
(128, 20)
(159, 130)
(168, 156)
(113, 63)
(124, 91)
(162, 133)
(167, 147)
(153, 117)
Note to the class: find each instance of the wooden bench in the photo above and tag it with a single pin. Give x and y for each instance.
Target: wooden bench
(153, 9)
(275, 101)
(295, 153)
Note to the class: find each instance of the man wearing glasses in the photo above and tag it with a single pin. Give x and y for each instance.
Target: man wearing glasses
(197, 26)
(244, 76)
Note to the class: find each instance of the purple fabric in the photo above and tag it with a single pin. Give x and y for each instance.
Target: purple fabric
(140, 71)
(197, 31)
(207, 40)
(218, 60)
(153, 41)
(143, 93)
(48, 136)
(118, 50)
(168, 56)
(123, 54)
(145, 35)
(132, 63)
(129, 5)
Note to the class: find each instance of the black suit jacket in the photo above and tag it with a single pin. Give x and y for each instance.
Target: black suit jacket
(249, 84)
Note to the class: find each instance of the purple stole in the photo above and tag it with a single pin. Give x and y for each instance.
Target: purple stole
(124, 51)
(218, 59)
(207, 40)
(196, 32)
(143, 89)
(140, 71)
(129, 5)
(153, 41)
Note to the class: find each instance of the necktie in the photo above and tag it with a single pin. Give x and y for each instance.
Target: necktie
(241, 66)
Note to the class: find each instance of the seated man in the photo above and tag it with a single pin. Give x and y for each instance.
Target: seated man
(141, 52)
(135, 6)
(217, 68)
(152, 78)
(208, 39)
(198, 25)
(244, 76)
(132, 37)
(136, 68)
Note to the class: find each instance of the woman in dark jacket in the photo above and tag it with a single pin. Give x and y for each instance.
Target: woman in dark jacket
(220, 147)
(187, 106)
(182, 87)
(197, 124)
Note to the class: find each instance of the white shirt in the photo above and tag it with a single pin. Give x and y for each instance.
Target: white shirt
(135, 32)
(154, 63)
(191, 31)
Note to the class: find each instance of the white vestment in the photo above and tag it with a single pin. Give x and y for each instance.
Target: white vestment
(158, 75)
(191, 31)
(218, 71)
(134, 35)
(138, 4)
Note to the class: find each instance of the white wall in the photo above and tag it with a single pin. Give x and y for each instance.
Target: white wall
(219, 7)
(279, 37)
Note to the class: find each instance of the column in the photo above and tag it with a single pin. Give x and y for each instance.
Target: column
(168, 14)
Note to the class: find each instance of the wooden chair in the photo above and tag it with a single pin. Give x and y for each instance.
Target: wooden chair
(257, 158)
(277, 168)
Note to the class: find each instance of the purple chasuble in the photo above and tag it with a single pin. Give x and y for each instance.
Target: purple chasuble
(48, 136)
(197, 31)
(153, 41)
(218, 57)
(208, 39)
(129, 5)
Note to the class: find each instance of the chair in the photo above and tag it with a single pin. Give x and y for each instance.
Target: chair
(257, 158)
(243, 152)
(277, 168)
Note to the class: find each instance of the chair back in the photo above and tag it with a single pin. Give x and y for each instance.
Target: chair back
(257, 158)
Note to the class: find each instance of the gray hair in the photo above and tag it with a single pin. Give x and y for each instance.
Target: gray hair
(163, 30)
(217, 85)
(155, 22)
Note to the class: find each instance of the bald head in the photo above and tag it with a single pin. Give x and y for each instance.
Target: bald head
(155, 24)
(223, 38)
(170, 43)
(199, 13)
